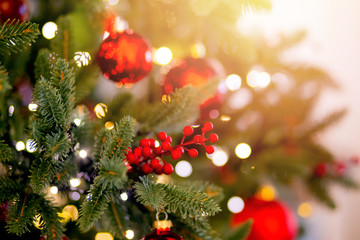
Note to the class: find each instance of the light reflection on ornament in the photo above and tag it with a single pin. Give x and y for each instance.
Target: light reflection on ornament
(82, 153)
(33, 107)
(198, 50)
(233, 82)
(82, 58)
(31, 145)
(163, 56)
(304, 210)
(100, 110)
(49, 30)
(157, 143)
(235, 204)
(11, 110)
(77, 121)
(243, 150)
(20, 145)
(103, 236)
(183, 169)
(129, 234)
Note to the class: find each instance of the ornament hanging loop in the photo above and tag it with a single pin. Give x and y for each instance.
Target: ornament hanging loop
(158, 214)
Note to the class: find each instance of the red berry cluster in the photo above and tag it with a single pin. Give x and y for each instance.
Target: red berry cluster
(150, 158)
(337, 168)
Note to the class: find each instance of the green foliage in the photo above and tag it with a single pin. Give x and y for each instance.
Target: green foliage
(42, 64)
(42, 173)
(6, 154)
(241, 232)
(181, 199)
(9, 189)
(15, 36)
(319, 189)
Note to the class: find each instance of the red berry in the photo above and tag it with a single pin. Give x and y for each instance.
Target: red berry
(146, 152)
(213, 137)
(176, 154)
(166, 146)
(155, 163)
(157, 150)
(146, 168)
(188, 131)
(169, 139)
(340, 168)
(193, 152)
(138, 151)
(180, 149)
(131, 158)
(162, 136)
(144, 143)
(151, 142)
(208, 126)
(168, 168)
(198, 138)
(320, 170)
(158, 170)
(209, 149)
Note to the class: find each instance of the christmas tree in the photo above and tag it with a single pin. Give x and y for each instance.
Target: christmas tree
(79, 162)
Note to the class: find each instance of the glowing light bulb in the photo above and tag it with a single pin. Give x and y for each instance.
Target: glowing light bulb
(183, 169)
(100, 110)
(243, 150)
(103, 236)
(75, 182)
(219, 158)
(71, 211)
(20, 145)
(129, 234)
(263, 80)
(83, 153)
(163, 56)
(33, 107)
(31, 146)
(109, 125)
(54, 190)
(235, 204)
(233, 82)
(77, 121)
(267, 193)
(49, 30)
(198, 50)
(304, 210)
(37, 222)
(11, 110)
(124, 196)
(82, 58)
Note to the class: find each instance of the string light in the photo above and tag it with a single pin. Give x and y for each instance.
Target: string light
(33, 107)
(82, 58)
(100, 110)
(31, 146)
(74, 196)
(11, 110)
(124, 196)
(129, 234)
(70, 212)
(20, 145)
(75, 182)
(235, 204)
(183, 169)
(37, 222)
(225, 118)
(256, 79)
(77, 121)
(54, 190)
(109, 125)
(219, 157)
(304, 210)
(83, 153)
(233, 82)
(163, 56)
(267, 193)
(103, 236)
(243, 150)
(49, 30)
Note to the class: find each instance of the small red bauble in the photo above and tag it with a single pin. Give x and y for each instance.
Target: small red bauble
(13, 9)
(195, 72)
(272, 220)
(162, 231)
(125, 57)
(213, 137)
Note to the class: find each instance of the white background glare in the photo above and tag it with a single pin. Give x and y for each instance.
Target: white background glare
(235, 204)
(183, 169)
(49, 30)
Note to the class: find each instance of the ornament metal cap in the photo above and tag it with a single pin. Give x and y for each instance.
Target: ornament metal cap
(162, 224)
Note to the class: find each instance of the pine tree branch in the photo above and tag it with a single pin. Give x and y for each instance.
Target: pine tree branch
(16, 36)
(241, 232)
(6, 154)
(9, 189)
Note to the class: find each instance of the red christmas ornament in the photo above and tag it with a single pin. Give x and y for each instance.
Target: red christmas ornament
(162, 231)
(13, 9)
(272, 220)
(125, 57)
(195, 72)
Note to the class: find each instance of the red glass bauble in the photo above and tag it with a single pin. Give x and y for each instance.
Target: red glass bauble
(125, 57)
(195, 72)
(14, 9)
(162, 234)
(272, 220)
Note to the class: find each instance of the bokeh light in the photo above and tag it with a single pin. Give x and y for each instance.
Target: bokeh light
(83, 153)
(31, 145)
(219, 157)
(198, 50)
(20, 145)
(109, 125)
(77, 121)
(74, 196)
(240, 98)
(82, 58)
(256, 79)
(38, 221)
(305, 210)
(183, 169)
(100, 110)
(103, 236)
(124, 196)
(11, 110)
(163, 56)
(32, 107)
(49, 30)
(243, 150)
(54, 190)
(233, 82)
(75, 182)
(70, 212)
(235, 204)
(129, 234)
(267, 193)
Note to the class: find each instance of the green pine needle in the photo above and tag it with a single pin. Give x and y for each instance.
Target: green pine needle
(241, 232)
